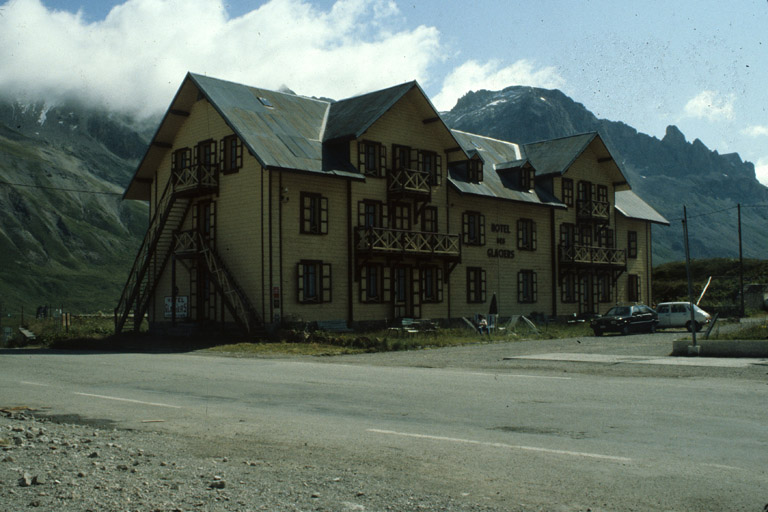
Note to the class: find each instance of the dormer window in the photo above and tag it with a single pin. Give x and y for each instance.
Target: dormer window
(475, 170)
(526, 178)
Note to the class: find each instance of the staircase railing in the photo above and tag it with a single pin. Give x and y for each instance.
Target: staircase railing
(138, 271)
(234, 297)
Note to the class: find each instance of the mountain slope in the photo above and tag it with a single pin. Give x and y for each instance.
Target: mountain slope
(67, 237)
(666, 173)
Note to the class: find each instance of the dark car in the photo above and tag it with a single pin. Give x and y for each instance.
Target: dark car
(626, 319)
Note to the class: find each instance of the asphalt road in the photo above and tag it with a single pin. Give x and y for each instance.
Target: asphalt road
(606, 423)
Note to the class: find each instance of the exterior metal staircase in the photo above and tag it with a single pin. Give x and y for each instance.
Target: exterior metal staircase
(193, 244)
(152, 258)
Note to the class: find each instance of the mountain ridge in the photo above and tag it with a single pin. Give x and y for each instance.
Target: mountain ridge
(667, 173)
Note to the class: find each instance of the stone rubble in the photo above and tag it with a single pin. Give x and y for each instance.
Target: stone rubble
(47, 465)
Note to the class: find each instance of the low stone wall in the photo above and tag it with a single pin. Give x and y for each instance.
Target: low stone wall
(721, 348)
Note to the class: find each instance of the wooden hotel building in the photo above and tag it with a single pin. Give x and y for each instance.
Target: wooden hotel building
(269, 209)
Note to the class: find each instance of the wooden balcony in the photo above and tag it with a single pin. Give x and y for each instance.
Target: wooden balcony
(584, 255)
(196, 180)
(409, 182)
(403, 242)
(593, 210)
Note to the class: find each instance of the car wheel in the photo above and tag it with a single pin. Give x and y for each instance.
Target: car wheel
(688, 326)
(625, 330)
(652, 329)
(598, 332)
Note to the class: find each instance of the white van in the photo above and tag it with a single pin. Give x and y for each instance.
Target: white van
(678, 314)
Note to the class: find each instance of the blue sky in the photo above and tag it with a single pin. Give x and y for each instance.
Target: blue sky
(701, 65)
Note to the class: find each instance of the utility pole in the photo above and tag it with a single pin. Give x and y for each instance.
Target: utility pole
(688, 274)
(741, 266)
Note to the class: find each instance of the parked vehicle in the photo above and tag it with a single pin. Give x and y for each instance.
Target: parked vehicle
(626, 319)
(678, 314)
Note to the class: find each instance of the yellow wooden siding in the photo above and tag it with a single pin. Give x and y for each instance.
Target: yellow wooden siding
(502, 273)
(328, 248)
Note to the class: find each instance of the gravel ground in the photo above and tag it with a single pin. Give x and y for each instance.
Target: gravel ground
(48, 465)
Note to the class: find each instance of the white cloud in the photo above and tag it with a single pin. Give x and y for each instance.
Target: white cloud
(761, 171)
(473, 76)
(135, 59)
(711, 105)
(755, 131)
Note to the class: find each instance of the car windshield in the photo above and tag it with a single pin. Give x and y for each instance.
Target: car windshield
(618, 311)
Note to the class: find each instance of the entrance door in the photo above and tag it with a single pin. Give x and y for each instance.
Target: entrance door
(587, 294)
(406, 292)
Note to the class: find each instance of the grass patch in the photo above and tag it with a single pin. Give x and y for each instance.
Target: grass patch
(96, 332)
(749, 332)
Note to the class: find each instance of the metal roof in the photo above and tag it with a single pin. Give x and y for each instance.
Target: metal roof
(500, 158)
(350, 118)
(556, 156)
(631, 206)
(285, 135)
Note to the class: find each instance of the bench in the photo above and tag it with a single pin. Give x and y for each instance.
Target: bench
(412, 327)
(28, 335)
(333, 326)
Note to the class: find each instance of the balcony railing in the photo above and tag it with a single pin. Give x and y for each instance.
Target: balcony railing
(198, 178)
(593, 210)
(588, 255)
(400, 241)
(409, 181)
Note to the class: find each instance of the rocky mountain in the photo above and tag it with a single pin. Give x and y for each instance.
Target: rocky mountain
(67, 238)
(666, 173)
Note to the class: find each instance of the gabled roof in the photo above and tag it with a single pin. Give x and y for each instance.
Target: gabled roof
(280, 130)
(499, 159)
(556, 156)
(631, 206)
(350, 118)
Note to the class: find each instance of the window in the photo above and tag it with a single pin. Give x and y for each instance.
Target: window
(473, 228)
(371, 214)
(429, 219)
(568, 289)
(585, 191)
(181, 159)
(475, 285)
(231, 154)
(527, 288)
(401, 216)
(632, 244)
(314, 214)
(604, 288)
(567, 234)
(475, 170)
(431, 284)
(374, 284)
(633, 288)
(585, 234)
(314, 282)
(401, 157)
(568, 191)
(525, 178)
(205, 154)
(431, 163)
(604, 237)
(602, 193)
(526, 235)
(371, 158)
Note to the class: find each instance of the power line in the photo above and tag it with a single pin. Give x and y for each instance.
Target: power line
(61, 189)
(721, 211)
